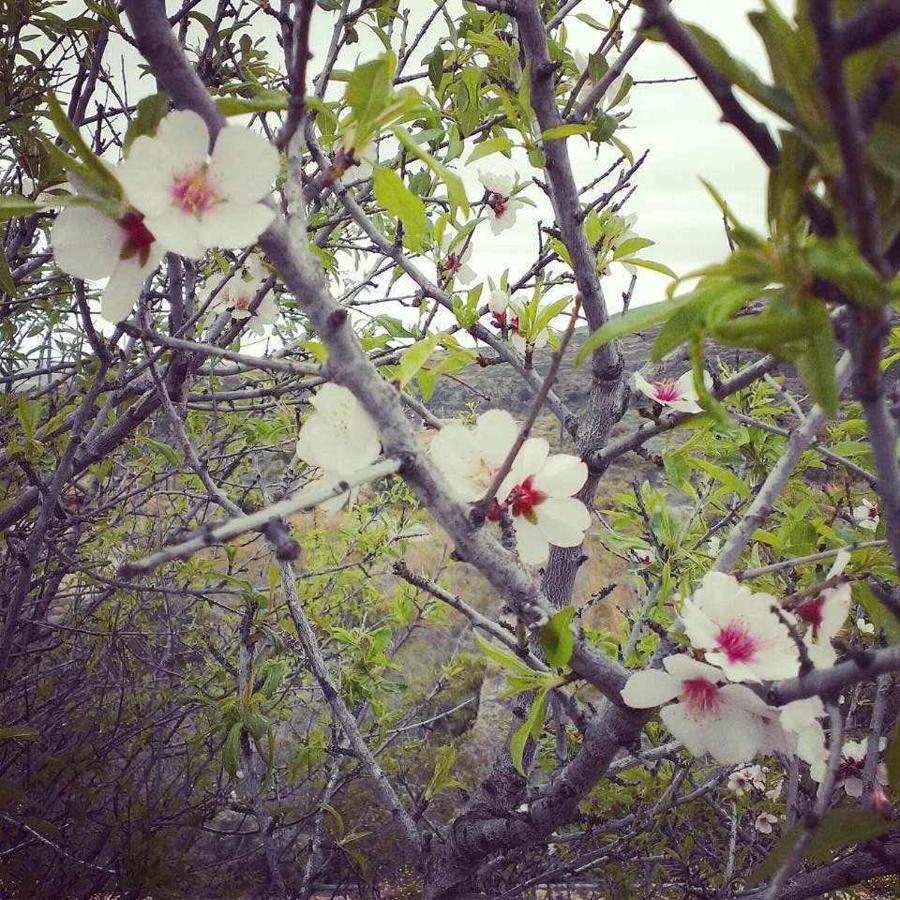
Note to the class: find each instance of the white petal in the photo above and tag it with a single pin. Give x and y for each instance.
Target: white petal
(853, 786)
(729, 736)
(177, 231)
(184, 137)
(85, 242)
(147, 177)
(244, 164)
(563, 521)
(496, 183)
(684, 667)
(644, 386)
(531, 545)
(499, 224)
(561, 476)
(124, 287)
(234, 225)
(683, 406)
(685, 385)
(650, 688)
(498, 301)
(835, 610)
(840, 563)
(495, 433)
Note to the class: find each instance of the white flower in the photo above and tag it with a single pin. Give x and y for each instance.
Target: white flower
(239, 292)
(775, 792)
(645, 556)
(538, 492)
(680, 395)
(743, 781)
(729, 722)
(866, 515)
(738, 630)
(502, 206)
(865, 627)
(454, 263)
(581, 63)
(498, 301)
(853, 761)
(193, 201)
(826, 614)
(517, 339)
(469, 457)
(88, 244)
(361, 163)
(803, 728)
(339, 438)
(714, 545)
(764, 822)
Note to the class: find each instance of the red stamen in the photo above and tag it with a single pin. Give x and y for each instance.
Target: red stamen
(525, 497)
(137, 237)
(666, 391)
(737, 643)
(811, 611)
(192, 191)
(700, 694)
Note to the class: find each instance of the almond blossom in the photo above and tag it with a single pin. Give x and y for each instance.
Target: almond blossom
(865, 627)
(239, 292)
(581, 63)
(502, 206)
(764, 822)
(469, 457)
(455, 263)
(538, 493)
(729, 722)
(853, 762)
(866, 515)
(680, 394)
(521, 342)
(339, 439)
(91, 245)
(738, 630)
(193, 201)
(826, 614)
(802, 726)
(743, 781)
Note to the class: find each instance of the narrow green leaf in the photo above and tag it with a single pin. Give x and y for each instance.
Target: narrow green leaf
(232, 748)
(400, 201)
(492, 145)
(19, 733)
(456, 191)
(14, 206)
(147, 116)
(563, 131)
(414, 358)
(264, 101)
(530, 728)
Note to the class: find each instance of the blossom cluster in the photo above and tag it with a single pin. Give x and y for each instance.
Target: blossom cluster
(178, 197)
(739, 638)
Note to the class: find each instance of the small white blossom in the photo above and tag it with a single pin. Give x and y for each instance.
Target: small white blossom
(498, 301)
(743, 781)
(765, 822)
(193, 201)
(680, 395)
(502, 206)
(729, 722)
(801, 722)
(865, 627)
(853, 762)
(826, 614)
(239, 292)
(775, 792)
(738, 630)
(455, 263)
(339, 439)
(866, 515)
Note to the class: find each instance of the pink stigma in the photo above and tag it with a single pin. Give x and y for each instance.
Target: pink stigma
(452, 263)
(700, 695)
(499, 204)
(525, 497)
(192, 191)
(811, 611)
(666, 391)
(737, 643)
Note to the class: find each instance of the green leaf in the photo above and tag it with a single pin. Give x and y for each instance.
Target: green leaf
(443, 766)
(264, 101)
(414, 358)
(147, 116)
(632, 245)
(650, 264)
(232, 749)
(456, 191)
(563, 131)
(530, 728)
(6, 279)
(504, 657)
(839, 261)
(729, 479)
(816, 365)
(842, 827)
(557, 639)
(776, 858)
(632, 322)
(492, 145)
(400, 201)
(369, 88)
(169, 453)
(14, 206)
(19, 733)
(96, 172)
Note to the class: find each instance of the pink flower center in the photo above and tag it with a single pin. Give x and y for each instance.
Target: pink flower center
(452, 263)
(873, 512)
(811, 611)
(193, 192)
(498, 203)
(242, 302)
(137, 238)
(524, 497)
(700, 695)
(666, 391)
(498, 319)
(737, 643)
